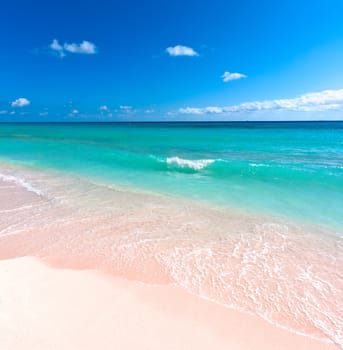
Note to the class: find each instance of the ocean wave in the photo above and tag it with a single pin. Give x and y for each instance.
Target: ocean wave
(20, 182)
(188, 163)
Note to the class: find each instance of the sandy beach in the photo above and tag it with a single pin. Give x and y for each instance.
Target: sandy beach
(46, 308)
(55, 298)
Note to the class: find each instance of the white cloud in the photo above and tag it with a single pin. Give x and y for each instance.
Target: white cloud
(73, 113)
(149, 111)
(180, 50)
(43, 114)
(3, 112)
(55, 46)
(191, 110)
(103, 108)
(311, 102)
(86, 48)
(126, 108)
(20, 102)
(215, 110)
(227, 76)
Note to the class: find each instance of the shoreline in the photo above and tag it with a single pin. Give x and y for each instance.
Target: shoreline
(124, 188)
(53, 252)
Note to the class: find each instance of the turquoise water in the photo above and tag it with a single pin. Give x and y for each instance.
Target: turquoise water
(294, 170)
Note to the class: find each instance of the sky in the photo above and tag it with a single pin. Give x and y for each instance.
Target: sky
(157, 60)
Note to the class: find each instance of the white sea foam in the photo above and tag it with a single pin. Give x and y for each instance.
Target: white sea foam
(20, 182)
(257, 165)
(254, 274)
(188, 163)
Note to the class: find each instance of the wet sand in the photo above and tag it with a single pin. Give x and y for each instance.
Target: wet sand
(56, 295)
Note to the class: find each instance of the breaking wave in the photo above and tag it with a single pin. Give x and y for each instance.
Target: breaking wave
(187, 163)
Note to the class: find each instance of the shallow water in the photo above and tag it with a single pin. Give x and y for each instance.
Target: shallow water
(292, 170)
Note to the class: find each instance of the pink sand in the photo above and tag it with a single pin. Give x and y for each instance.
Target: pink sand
(44, 308)
(92, 235)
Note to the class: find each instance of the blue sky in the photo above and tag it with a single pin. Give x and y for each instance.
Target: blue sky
(171, 60)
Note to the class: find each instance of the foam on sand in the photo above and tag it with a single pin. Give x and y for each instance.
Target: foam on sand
(21, 182)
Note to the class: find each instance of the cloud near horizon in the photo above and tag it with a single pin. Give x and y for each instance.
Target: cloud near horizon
(227, 76)
(311, 102)
(20, 102)
(180, 50)
(85, 48)
(125, 108)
